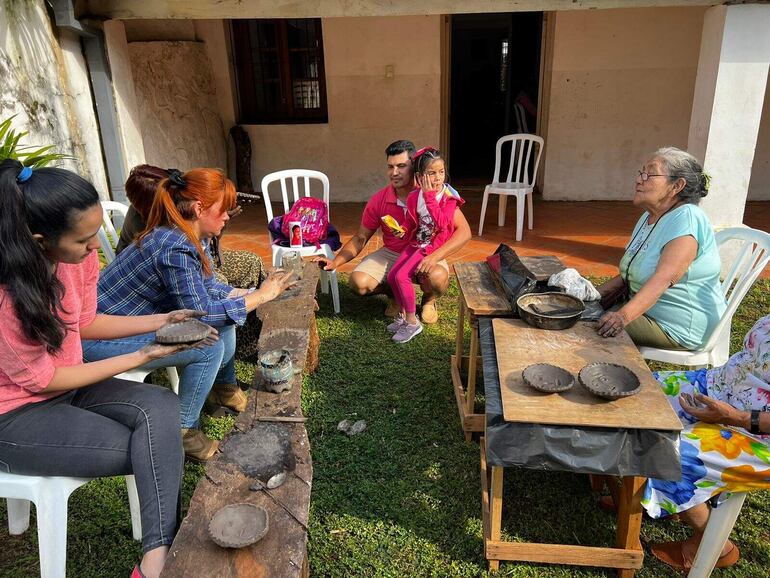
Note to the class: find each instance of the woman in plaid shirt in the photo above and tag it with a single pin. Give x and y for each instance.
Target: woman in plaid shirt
(170, 265)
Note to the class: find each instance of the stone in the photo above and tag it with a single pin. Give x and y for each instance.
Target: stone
(350, 428)
(188, 331)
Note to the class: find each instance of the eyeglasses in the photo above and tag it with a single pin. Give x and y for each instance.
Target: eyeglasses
(645, 176)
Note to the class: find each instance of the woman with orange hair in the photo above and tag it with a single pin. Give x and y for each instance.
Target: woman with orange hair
(170, 265)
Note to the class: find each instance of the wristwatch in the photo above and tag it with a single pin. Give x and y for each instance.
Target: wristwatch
(754, 427)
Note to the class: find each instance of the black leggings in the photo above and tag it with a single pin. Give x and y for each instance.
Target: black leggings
(111, 428)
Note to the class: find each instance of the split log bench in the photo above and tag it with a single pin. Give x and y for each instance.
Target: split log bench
(287, 322)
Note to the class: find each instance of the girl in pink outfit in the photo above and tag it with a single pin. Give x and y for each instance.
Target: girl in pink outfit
(429, 224)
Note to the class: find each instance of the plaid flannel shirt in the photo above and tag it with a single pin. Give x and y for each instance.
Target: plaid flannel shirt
(166, 274)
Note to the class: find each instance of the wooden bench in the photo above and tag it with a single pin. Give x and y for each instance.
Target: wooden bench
(288, 321)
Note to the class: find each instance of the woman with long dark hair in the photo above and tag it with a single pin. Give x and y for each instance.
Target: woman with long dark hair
(59, 416)
(169, 267)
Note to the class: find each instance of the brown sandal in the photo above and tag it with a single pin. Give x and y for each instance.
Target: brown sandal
(672, 554)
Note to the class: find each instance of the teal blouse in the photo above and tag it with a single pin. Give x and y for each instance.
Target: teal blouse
(689, 310)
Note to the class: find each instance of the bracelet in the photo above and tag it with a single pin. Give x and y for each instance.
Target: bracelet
(754, 423)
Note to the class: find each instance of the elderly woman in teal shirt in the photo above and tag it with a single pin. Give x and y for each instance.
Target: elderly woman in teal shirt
(669, 274)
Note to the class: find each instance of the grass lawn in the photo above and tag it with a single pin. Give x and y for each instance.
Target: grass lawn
(403, 498)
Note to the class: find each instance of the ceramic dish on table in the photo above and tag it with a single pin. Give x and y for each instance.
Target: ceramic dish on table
(550, 310)
(548, 378)
(609, 380)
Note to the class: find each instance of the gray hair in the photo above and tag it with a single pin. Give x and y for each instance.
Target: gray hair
(682, 165)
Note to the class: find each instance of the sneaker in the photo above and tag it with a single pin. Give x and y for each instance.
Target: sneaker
(393, 308)
(396, 325)
(197, 446)
(429, 314)
(228, 395)
(407, 331)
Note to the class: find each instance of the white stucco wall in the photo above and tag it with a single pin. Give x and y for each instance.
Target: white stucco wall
(179, 118)
(622, 86)
(45, 84)
(367, 111)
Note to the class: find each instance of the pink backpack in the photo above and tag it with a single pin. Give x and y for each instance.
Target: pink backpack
(313, 215)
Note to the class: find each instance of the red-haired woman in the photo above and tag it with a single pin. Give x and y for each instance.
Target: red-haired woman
(237, 268)
(170, 265)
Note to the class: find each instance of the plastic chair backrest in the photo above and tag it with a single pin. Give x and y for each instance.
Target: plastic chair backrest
(525, 151)
(108, 234)
(521, 117)
(293, 178)
(752, 257)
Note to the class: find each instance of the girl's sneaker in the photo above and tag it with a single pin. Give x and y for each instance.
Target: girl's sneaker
(407, 331)
(396, 325)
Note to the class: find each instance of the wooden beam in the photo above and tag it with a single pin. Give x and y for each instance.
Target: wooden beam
(224, 9)
(565, 554)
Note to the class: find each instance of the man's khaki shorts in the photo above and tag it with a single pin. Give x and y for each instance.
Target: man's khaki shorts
(378, 263)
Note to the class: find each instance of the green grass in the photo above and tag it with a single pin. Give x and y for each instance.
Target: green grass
(403, 498)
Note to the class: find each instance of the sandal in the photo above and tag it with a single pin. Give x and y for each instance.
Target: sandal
(672, 554)
(137, 573)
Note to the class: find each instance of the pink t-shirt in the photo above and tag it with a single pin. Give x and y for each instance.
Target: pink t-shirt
(385, 202)
(26, 368)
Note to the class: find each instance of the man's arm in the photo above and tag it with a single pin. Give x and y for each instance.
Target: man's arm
(349, 250)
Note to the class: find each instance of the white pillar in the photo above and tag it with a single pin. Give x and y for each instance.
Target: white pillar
(727, 105)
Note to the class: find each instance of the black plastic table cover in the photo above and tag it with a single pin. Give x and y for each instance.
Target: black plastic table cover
(588, 450)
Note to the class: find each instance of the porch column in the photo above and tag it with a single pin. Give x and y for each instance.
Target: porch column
(727, 105)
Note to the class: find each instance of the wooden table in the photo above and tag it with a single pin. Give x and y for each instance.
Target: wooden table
(517, 345)
(482, 296)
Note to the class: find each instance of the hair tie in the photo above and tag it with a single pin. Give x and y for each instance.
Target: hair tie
(175, 176)
(706, 183)
(24, 175)
(421, 152)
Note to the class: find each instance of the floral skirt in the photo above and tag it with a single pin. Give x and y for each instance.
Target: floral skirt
(715, 458)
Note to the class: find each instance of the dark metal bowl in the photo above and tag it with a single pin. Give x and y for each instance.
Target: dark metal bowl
(609, 380)
(550, 310)
(548, 378)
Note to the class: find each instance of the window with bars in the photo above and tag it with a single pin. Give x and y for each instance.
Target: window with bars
(279, 69)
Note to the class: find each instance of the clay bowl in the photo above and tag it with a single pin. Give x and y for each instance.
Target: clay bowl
(548, 378)
(550, 310)
(609, 380)
(188, 331)
(238, 525)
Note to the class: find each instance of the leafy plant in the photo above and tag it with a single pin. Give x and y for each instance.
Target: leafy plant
(28, 155)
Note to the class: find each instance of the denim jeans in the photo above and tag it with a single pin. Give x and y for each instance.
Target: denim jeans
(111, 428)
(199, 369)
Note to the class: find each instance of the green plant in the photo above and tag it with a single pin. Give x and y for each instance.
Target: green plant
(28, 155)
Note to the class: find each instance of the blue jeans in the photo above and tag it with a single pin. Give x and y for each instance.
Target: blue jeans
(199, 369)
(112, 428)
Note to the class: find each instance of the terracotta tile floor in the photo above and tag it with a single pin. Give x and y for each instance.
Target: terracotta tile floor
(588, 236)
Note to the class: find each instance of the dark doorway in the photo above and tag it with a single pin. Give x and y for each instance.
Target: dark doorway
(495, 71)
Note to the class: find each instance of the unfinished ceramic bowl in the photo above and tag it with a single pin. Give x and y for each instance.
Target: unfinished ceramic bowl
(238, 525)
(609, 380)
(188, 331)
(550, 310)
(548, 378)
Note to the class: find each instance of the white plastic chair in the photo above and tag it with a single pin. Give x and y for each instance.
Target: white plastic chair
(108, 234)
(50, 495)
(292, 179)
(108, 237)
(752, 257)
(720, 524)
(519, 182)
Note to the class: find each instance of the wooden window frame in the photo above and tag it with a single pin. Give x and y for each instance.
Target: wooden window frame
(249, 112)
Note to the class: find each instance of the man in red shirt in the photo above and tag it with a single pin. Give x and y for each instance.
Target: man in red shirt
(370, 276)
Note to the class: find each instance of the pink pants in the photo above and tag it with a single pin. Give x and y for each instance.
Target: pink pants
(400, 278)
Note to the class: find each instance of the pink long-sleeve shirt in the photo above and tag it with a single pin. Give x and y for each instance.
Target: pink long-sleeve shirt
(442, 212)
(26, 367)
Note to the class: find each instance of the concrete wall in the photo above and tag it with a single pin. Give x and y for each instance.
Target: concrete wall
(759, 186)
(367, 111)
(622, 86)
(45, 84)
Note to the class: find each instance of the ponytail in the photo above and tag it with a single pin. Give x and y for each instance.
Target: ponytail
(43, 202)
(176, 196)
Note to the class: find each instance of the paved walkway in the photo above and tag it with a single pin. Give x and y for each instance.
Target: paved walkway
(589, 236)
